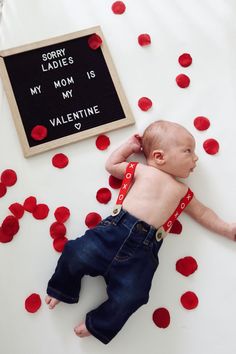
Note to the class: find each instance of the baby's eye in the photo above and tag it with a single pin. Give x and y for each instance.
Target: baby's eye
(188, 150)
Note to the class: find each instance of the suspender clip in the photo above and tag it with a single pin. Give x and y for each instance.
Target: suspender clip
(116, 209)
(160, 234)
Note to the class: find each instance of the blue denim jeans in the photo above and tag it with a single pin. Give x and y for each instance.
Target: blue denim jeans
(124, 251)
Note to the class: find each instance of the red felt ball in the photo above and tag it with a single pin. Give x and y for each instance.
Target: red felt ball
(144, 103)
(4, 238)
(161, 317)
(94, 41)
(211, 146)
(176, 228)
(62, 214)
(92, 219)
(182, 80)
(185, 60)
(59, 243)
(17, 210)
(30, 204)
(60, 160)
(10, 225)
(3, 189)
(41, 211)
(186, 266)
(102, 142)
(57, 230)
(118, 7)
(144, 39)
(189, 300)
(103, 195)
(201, 123)
(115, 182)
(33, 303)
(39, 132)
(8, 177)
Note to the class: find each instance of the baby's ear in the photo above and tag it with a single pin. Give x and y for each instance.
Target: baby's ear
(158, 156)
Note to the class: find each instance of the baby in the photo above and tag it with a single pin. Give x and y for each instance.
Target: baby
(124, 248)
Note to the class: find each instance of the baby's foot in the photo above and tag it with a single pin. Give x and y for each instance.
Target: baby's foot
(81, 330)
(51, 302)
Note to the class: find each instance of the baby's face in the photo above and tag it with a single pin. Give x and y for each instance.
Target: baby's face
(180, 156)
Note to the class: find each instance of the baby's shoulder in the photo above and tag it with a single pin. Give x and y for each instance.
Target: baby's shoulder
(145, 171)
(142, 167)
(181, 188)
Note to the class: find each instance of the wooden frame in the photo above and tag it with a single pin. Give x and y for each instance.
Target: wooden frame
(45, 146)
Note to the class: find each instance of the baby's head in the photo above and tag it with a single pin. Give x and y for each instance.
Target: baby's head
(169, 147)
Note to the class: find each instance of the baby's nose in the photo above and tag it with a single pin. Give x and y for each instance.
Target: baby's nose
(195, 157)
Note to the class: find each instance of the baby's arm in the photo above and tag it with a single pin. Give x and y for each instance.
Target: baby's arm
(209, 219)
(116, 164)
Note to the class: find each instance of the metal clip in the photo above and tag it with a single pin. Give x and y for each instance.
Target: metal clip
(160, 234)
(116, 209)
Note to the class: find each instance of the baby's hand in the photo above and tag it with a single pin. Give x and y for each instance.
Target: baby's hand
(135, 142)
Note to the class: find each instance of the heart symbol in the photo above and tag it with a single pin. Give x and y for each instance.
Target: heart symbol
(77, 126)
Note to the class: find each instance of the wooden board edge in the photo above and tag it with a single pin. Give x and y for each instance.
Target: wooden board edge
(50, 41)
(73, 138)
(115, 77)
(13, 107)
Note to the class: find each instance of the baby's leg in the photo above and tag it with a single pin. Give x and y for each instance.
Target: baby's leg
(64, 285)
(128, 288)
(81, 330)
(51, 302)
(78, 258)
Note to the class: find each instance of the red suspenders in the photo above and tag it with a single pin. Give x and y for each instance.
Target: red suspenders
(126, 183)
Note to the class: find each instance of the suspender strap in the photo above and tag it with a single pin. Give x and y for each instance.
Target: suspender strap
(126, 183)
(180, 208)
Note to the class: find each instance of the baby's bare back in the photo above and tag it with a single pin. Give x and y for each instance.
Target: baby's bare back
(154, 195)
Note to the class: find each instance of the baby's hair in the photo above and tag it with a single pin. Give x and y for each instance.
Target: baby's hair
(156, 135)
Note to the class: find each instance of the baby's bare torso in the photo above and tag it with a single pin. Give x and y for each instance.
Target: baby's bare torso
(154, 195)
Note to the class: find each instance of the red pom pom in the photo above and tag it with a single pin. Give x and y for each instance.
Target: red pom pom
(186, 266)
(95, 41)
(144, 39)
(103, 195)
(182, 80)
(201, 123)
(3, 189)
(33, 303)
(17, 210)
(144, 103)
(176, 228)
(92, 219)
(189, 300)
(57, 230)
(10, 225)
(62, 214)
(115, 182)
(118, 7)
(102, 142)
(39, 132)
(30, 204)
(41, 211)
(211, 146)
(185, 60)
(161, 317)
(4, 238)
(59, 243)
(60, 160)
(8, 177)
